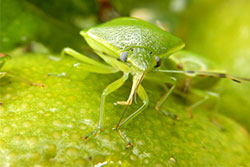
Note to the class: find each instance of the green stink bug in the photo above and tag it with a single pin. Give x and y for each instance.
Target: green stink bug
(134, 47)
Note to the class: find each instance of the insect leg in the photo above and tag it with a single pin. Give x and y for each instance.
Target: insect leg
(89, 65)
(87, 68)
(205, 97)
(137, 79)
(114, 62)
(144, 97)
(164, 98)
(79, 56)
(109, 89)
(161, 79)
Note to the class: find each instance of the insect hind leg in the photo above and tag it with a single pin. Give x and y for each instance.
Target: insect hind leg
(159, 104)
(206, 96)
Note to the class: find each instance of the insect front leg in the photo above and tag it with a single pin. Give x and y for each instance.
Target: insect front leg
(87, 68)
(87, 64)
(79, 56)
(144, 97)
(136, 82)
(109, 89)
(163, 100)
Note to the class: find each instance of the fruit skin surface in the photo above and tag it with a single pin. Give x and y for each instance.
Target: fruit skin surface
(44, 126)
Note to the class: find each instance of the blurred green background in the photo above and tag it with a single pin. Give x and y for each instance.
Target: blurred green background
(217, 30)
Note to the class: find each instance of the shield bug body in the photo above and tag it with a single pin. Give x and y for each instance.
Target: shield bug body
(135, 47)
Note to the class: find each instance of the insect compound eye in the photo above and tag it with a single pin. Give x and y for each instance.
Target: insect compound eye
(131, 49)
(124, 56)
(158, 61)
(150, 52)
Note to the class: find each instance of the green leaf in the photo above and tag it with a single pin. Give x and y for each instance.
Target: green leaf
(52, 23)
(44, 126)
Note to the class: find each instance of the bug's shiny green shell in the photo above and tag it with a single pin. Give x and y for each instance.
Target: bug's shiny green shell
(125, 32)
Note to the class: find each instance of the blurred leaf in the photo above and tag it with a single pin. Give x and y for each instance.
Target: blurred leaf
(165, 12)
(44, 126)
(66, 11)
(55, 24)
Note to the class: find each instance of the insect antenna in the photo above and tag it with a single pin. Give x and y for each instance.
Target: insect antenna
(137, 86)
(208, 74)
(118, 124)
